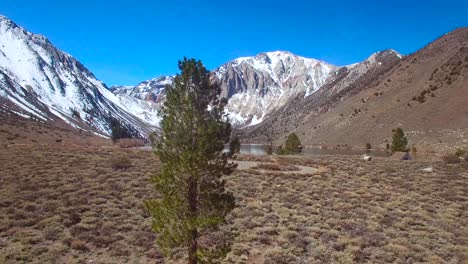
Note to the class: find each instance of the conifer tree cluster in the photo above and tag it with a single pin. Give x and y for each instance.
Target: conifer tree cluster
(192, 201)
(121, 130)
(234, 146)
(293, 145)
(399, 141)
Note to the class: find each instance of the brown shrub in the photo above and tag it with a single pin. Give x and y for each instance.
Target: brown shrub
(79, 245)
(120, 162)
(451, 159)
(120, 249)
(52, 233)
(277, 167)
(130, 142)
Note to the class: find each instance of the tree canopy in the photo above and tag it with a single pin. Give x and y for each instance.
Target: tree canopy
(293, 145)
(399, 141)
(192, 201)
(234, 146)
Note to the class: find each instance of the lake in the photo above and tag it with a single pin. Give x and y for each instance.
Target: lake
(259, 150)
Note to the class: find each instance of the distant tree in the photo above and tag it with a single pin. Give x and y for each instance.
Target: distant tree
(269, 148)
(293, 145)
(368, 148)
(153, 137)
(192, 201)
(399, 140)
(75, 113)
(460, 153)
(234, 146)
(121, 130)
(279, 150)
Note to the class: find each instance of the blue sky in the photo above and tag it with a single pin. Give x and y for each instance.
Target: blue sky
(125, 42)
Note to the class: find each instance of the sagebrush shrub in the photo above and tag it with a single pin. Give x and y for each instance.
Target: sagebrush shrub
(451, 159)
(120, 162)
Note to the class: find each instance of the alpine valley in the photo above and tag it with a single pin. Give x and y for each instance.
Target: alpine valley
(269, 95)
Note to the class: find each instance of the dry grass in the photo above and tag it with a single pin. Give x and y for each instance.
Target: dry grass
(451, 159)
(120, 162)
(355, 212)
(131, 142)
(65, 205)
(20, 132)
(276, 167)
(72, 206)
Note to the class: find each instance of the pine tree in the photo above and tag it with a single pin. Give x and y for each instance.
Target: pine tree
(399, 140)
(235, 146)
(121, 130)
(192, 201)
(269, 148)
(293, 145)
(280, 150)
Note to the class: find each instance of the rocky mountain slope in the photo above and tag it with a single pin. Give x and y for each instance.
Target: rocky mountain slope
(39, 81)
(258, 86)
(255, 86)
(270, 94)
(425, 93)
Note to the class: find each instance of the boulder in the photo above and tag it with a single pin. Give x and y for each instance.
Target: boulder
(428, 170)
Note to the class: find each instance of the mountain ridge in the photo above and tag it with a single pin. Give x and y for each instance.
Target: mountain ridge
(425, 93)
(256, 86)
(41, 81)
(269, 94)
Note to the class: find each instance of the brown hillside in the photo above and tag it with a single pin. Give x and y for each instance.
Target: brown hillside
(426, 94)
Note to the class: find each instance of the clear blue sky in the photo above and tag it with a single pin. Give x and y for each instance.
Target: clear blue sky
(125, 42)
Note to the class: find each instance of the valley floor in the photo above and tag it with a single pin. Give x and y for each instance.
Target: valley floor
(81, 205)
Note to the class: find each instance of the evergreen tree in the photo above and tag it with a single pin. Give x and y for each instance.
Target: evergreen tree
(192, 199)
(399, 140)
(121, 130)
(293, 145)
(235, 146)
(269, 148)
(280, 150)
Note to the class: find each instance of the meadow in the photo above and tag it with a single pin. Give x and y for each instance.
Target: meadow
(85, 205)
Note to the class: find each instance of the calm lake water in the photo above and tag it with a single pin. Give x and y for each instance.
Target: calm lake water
(259, 150)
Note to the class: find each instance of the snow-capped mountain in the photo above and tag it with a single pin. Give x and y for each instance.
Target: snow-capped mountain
(260, 85)
(151, 90)
(256, 86)
(39, 81)
(147, 97)
(343, 83)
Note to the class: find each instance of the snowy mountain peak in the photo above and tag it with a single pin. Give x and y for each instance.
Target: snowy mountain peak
(6, 21)
(150, 92)
(257, 85)
(380, 55)
(274, 58)
(46, 83)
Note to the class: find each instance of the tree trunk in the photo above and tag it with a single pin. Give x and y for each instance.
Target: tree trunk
(193, 197)
(193, 248)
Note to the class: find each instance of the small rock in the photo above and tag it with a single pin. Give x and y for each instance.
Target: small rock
(428, 169)
(366, 157)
